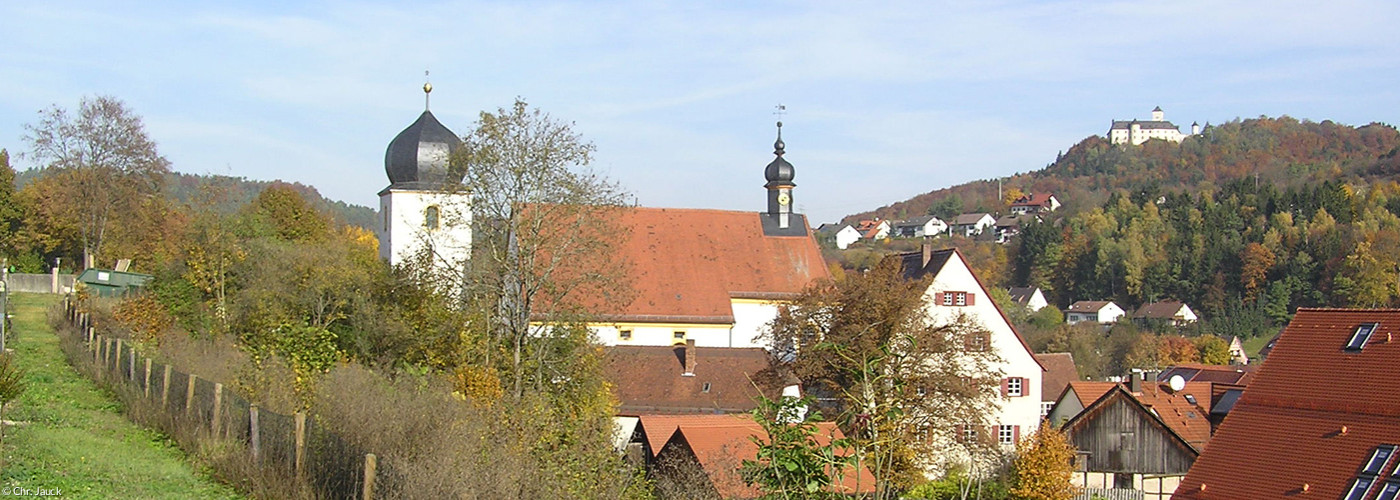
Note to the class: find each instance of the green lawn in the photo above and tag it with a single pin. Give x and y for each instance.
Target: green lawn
(1252, 345)
(75, 438)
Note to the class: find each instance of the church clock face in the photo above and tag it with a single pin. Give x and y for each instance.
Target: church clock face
(784, 199)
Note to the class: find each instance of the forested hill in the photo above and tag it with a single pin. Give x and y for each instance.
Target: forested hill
(1281, 151)
(226, 194)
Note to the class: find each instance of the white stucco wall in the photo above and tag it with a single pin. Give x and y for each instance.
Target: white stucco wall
(846, 236)
(751, 318)
(402, 232)
(1017, 361)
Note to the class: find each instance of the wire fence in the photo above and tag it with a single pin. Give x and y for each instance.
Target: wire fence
(293, 443)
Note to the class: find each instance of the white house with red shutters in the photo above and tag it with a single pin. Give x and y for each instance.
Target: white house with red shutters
(956, 291)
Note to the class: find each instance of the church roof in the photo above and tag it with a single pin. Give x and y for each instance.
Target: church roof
(685, 265)
(418, 157)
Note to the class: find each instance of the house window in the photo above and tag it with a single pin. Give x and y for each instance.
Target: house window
(959, 298)
(706, 388)
(430, 217)
(624, 334)
(956, 299)
(1378, 459)
(678, 337)
(976, 341)
(1006, 434)
(969, 434)
(1045, 407)
(1014, 387)
(1389, 492)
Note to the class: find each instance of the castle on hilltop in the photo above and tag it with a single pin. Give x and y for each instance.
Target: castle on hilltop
(1139, 131)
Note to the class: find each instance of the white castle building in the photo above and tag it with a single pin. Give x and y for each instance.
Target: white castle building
(1136, 132)
(424, 211)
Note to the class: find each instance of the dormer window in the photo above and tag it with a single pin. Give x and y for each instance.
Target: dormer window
(1362, 335)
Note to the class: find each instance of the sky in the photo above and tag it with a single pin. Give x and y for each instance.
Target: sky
(884, 100)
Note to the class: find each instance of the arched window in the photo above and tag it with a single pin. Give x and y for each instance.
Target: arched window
(430, 217)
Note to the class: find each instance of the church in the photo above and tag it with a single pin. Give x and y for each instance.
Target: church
(709, 278)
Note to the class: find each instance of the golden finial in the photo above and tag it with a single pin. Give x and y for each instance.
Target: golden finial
(427, 89)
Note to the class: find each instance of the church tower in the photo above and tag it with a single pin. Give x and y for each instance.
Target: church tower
(425, 210)
(779, 175)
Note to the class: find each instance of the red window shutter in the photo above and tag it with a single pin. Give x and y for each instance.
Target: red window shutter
(1005, 383)
(970, 296)
(1015, 434)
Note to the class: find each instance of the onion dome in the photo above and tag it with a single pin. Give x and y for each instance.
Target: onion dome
(418, 157)
(779, 171)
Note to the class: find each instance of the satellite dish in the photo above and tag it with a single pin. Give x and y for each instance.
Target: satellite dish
(1176, 382)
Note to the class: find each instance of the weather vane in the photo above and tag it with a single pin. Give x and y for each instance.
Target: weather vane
(780, 110)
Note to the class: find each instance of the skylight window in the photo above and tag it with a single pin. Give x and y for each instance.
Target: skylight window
(1378, 459)
(1359, 488)
(1362, 335)
(1190, 399)
(1390, 491)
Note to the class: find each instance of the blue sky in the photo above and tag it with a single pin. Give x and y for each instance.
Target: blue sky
(884, 102)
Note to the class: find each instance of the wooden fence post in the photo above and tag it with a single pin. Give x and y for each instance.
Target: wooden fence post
(189, 394)
(214, 420)
(254, 435)
(300, 440)
(131, 365)
(370, 466)
(165, 388)
(115, 359)
(146, 382)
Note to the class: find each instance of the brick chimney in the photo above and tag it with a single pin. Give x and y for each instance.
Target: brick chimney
(689, 358)
(1135, 382)
(928, 254)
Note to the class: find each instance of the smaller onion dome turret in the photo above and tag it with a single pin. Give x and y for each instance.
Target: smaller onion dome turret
(418, 157)
(779, 171)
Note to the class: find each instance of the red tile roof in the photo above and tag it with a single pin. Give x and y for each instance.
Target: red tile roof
(1088, 392)
(1088, 306)
(651, 379)
(1312, 416)
(684, 265)
(1034, 200)
(1188, 420)
(1059, 372)
(723, 443)
(1223, 374)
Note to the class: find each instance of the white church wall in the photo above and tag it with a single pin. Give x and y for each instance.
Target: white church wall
(404, 212)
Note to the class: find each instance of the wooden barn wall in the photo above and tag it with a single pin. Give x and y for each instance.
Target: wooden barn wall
(1119, 438)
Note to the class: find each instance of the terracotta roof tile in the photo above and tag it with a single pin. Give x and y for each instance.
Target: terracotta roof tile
(1287, 428)
(1087, 306)
(686, 264)
(1224, 374)
(651, 379)
(1034, 200)
(1088, 391)
(1059, 372)
(1165, 309)
(722, 443)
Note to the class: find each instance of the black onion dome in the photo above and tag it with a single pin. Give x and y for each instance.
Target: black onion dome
(779, 171)
(418, 156)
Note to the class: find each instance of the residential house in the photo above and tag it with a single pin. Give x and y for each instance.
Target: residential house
(1220, 374)
(970, 225)
(955, 291)
(1237, 354)
(691, 379)
(1169, 311)
(704, 454)
(1035, 203)
(1143, 436)
(1093, 311)
(1136, 132)
(1008, 226)
(1076, 396)
(875, 229)
(1059, 372)
(927, 226)
(1028, 297)
(847, 235)
(1319, 420)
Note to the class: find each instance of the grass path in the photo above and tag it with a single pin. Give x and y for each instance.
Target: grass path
(76, 440)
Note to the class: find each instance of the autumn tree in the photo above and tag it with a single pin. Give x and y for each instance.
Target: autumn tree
(1044, 465)
(791, 461)
(905, 384)
(105, 160)
(542, 244)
